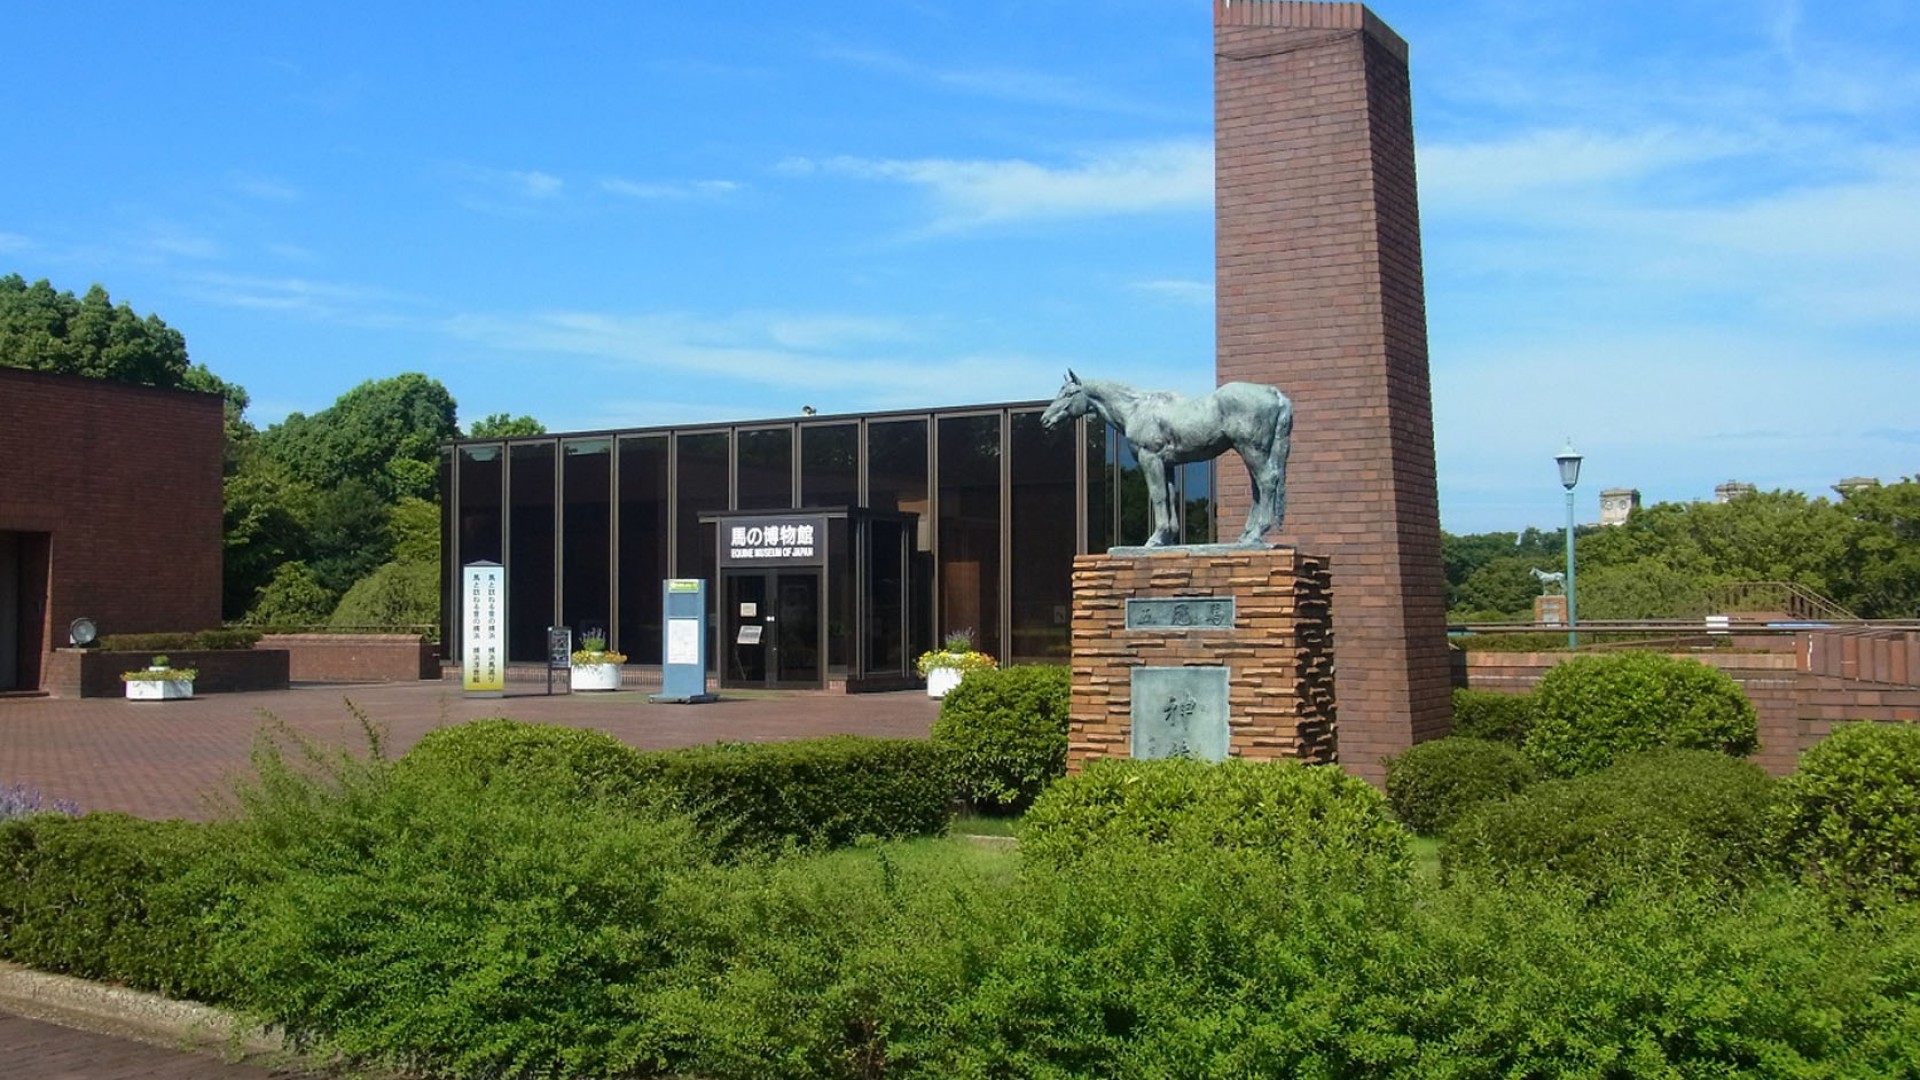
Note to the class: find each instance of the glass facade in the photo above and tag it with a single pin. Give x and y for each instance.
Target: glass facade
(974, 518)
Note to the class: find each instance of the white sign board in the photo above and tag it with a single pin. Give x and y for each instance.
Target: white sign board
(483, 641)
(683, 641)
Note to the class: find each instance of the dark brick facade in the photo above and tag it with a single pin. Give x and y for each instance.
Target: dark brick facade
(113, 494)
(1320, 293)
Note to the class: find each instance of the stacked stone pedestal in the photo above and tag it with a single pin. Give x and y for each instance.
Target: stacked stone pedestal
(1278, 651)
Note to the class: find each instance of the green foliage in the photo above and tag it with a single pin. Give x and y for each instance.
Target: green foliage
(811, 792)
(415, 527)
(42, 329)
(293, 597)
(1489, 714)
(348, 535)
(502, 426)
(1879, 575)
(1432, 784)
(562, 763)
(1671, 815)
(1849, 820)
(384, 433)
(107, 897)
(1646, 588)
(201, 640)
(1005, 732)
(425, 915)
(1275, 808)
(1591, 709)
(397, 594)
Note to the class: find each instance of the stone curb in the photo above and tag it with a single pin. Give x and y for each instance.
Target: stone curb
(131, 1014)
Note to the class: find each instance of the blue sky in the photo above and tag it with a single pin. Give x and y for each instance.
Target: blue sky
(1685, 233)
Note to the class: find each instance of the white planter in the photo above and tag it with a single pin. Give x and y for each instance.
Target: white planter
(595, 677)
(942, 679)
(158, 689)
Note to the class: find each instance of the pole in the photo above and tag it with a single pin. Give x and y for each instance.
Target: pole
(1573, 637)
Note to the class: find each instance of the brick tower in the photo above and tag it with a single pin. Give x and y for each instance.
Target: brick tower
(1317, 252)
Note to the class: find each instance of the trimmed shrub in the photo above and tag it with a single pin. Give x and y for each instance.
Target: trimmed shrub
(542, 760)
(107, 896)
(431, 922)
(1849, 817)
(1694, 815)
(1593, 709)
(181, 641)
(1005, 733)
(394, 594)
(1491, 715)
(810, 792)
(1278, 808)
(1432, 784)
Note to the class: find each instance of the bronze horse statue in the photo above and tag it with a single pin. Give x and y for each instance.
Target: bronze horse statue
(1166, 429)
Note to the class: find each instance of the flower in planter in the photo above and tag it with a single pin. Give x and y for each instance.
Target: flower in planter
(955, 652)
(160, 671)
(593, 651)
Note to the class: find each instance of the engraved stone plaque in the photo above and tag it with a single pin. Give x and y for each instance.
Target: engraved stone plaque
(1180, 613)
(1180, 712)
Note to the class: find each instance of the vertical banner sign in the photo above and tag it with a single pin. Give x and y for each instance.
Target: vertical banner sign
(683, 669)
(483, 660)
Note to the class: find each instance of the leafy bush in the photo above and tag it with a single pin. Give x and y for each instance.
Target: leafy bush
(1277, 808)
(1005, 732)
(1689, 815)
(427, 919)
(1849, 818)
(829, 791)
(108, 896)
(543, 760)
(1433, 783)
(1491, 715)
(181, 641)
(394, 594)
(1592, 709)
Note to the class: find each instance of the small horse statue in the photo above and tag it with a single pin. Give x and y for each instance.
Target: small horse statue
(1550, 581)
(1166, 429)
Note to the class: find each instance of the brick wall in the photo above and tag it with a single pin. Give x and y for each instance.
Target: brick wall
(94, 673)
(1796, 706)
(357, 657)
(1279, 652)
(1320, 293)
(123, 485)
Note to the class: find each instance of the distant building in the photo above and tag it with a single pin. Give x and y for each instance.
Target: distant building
(110, 508)
(1855, 483)
(1731, 490)
(1618, 504)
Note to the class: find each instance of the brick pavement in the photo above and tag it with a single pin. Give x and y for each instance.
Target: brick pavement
(36, 1050)
(170, 758)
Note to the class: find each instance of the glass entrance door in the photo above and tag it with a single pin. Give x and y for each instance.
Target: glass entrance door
(772, 627)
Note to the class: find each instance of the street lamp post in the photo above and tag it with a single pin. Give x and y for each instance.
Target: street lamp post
(1569, 462)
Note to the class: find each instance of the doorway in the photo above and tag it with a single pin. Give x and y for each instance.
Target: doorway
(23, 608)
(772, 628)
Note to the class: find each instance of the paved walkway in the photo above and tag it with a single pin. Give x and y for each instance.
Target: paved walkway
(172, 758)
(35, 1050)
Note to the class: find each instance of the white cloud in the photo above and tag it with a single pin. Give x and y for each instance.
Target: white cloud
(692, 189)
(171, 240)
(329, 301)
(14, 242)
(1185, 292)
(1141, 178)
(265, 188)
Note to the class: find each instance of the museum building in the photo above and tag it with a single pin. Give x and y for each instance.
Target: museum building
(836, 548)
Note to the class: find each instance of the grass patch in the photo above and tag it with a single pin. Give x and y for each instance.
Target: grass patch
(974, 823)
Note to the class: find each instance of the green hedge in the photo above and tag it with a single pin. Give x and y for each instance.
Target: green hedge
(812, 792)
(1277, 808)
(110, 897)
(1849, 818)
(1691, 815)
(215, 640)
(1005, 733)
(1432, 784)
(543, 760)
(1593, 709)
(1492, 715)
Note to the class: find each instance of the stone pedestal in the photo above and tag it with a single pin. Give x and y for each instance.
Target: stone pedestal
(1274, 641)
(1550, 610)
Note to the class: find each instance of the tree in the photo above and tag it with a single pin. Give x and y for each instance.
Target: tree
(384, 433)
(1878, 572)
(501, 426)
